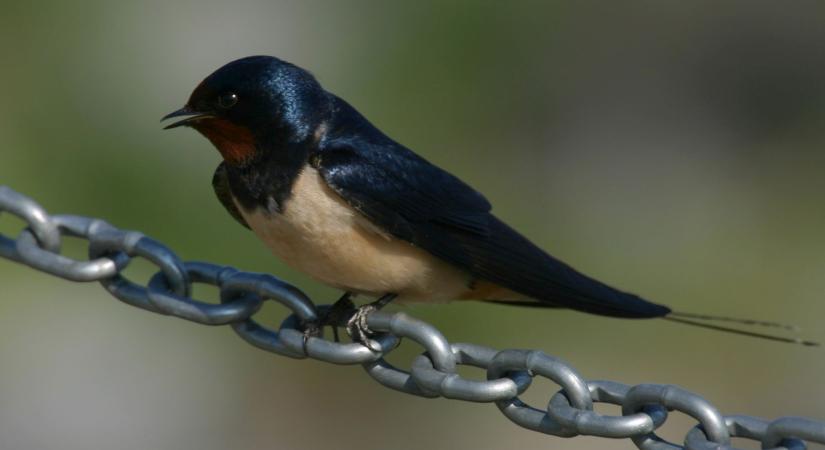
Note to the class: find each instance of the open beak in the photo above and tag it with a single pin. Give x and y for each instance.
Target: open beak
(189, 114)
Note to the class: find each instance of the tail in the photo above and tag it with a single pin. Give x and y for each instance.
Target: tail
(706, 321)
(506, 259)
(702, 320)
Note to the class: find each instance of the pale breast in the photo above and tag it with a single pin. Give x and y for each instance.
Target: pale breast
(318, 233)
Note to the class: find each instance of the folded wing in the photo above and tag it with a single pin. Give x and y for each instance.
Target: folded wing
(416, 201)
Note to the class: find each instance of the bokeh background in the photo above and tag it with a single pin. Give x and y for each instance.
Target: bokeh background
(670, 148)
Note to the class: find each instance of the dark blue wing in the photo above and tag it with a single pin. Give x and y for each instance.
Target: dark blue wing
(416, 201)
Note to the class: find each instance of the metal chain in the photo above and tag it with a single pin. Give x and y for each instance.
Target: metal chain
(432, 374)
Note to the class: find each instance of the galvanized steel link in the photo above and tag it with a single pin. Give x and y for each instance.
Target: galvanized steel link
(452, 385)
(536, 362)
(748, 427)
(569, 411)
(30, 252)
(674, 398)
(34, 215)
(164, 300)
(591, 423)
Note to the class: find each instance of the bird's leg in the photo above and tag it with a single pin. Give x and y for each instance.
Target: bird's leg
(338, 314)
(334, 316)
(357, 328)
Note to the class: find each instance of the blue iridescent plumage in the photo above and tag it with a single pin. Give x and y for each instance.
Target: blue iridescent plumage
(296, 123)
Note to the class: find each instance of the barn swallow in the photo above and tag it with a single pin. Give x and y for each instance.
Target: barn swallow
(336, 198)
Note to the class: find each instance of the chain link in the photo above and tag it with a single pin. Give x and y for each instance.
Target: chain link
(433, 373)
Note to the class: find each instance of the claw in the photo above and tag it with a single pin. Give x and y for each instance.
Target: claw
(358, 330)
(312, 329)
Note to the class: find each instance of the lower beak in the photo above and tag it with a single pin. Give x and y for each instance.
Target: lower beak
(189, 114)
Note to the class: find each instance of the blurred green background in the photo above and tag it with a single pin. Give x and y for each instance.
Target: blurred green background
(673, 149)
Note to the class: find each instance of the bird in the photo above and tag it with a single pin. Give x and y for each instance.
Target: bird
(334, 197)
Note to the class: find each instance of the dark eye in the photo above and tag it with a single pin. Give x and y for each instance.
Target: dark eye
(227, 100)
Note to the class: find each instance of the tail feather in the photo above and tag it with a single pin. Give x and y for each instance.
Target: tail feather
(749, 322)
(701, 320)
(508, 259)
(770, 337)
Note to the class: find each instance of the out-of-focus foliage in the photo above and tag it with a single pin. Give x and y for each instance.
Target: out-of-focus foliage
(673, 149)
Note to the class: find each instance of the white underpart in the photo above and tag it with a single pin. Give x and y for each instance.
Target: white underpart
(319, 234)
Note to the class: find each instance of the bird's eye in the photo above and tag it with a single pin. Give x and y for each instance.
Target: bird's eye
(227, 100)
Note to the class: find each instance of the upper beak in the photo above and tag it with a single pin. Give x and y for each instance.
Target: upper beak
(192, 114)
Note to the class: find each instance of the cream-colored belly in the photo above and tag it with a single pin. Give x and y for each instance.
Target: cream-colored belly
(319, 234)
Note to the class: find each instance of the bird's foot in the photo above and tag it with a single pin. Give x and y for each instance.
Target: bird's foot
(312, 329)
(333, 316)
(358, 330)
(357, 327)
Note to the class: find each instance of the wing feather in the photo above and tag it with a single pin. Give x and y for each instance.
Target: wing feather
(416, 201)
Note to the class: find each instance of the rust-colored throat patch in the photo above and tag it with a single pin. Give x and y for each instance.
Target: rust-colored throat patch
(234, 142)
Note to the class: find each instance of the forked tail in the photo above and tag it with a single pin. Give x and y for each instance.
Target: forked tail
(705, 321)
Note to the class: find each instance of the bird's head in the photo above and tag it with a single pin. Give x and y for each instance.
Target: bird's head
(255, 105)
